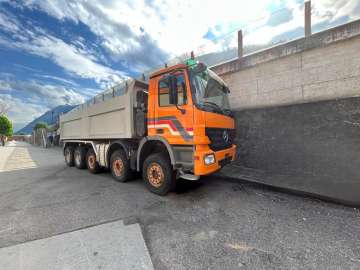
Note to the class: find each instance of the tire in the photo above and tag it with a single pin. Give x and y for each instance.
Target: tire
(80, 157)
(120, 166)
(158, 174)
(91, 162)
(69, 155)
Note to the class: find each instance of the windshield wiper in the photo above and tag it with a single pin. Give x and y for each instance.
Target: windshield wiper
(229, 112)
(214, 105)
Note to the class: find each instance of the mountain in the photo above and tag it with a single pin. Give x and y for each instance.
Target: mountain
(50, 117)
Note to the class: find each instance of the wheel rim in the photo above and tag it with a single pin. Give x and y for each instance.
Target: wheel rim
(155, 175)
(91, 161)
(118, 167)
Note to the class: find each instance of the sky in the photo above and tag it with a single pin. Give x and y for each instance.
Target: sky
(55, 52)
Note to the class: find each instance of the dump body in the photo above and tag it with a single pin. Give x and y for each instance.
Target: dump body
(109, 115)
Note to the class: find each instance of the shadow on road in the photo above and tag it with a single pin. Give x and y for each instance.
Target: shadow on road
(184, 186)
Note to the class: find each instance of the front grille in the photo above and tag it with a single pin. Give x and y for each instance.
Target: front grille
(218, 138)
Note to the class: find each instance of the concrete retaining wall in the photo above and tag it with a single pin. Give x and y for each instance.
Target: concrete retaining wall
(324, 66)
(298, 114)
(312, 147)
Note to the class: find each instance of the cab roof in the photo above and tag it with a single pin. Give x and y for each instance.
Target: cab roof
(167, 70)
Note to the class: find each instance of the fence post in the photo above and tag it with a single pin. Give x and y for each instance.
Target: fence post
(307, 26)
(240, 44)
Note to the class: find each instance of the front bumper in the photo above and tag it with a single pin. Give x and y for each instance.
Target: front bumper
(222, 158)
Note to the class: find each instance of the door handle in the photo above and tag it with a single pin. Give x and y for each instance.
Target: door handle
(159, 131)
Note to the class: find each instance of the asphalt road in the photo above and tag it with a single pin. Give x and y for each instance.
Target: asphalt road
(212, 224)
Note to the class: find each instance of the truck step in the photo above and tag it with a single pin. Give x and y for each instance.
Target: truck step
(190, 177)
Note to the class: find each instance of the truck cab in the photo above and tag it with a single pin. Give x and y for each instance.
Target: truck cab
(188, 106)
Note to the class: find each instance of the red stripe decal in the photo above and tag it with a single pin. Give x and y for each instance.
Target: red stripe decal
(169, 122)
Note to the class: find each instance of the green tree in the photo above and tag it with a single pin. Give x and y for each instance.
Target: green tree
(41, 125)
(6, 127)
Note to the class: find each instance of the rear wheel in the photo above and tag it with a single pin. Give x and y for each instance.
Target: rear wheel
(120, 166)
(158, 174)
(69, 155)
(80, 157)
(91, 162)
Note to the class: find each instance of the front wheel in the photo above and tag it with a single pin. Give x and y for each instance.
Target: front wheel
(158, 175)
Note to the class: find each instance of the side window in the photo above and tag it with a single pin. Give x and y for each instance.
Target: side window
(164, 90)
(181, 88)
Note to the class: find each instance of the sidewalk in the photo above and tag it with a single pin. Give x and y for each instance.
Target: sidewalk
(22, 155)
(108, 246)
(5, 153)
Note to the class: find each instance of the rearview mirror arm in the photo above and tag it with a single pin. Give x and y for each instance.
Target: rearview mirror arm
(183, 111)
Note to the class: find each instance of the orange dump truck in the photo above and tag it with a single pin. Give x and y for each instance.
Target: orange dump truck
(178, 125)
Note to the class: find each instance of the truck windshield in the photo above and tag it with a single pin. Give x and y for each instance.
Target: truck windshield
(211, 92)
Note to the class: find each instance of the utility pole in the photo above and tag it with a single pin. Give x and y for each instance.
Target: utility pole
(240, 44)
(307, 16)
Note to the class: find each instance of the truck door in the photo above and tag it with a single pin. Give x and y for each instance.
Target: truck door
(174, 123)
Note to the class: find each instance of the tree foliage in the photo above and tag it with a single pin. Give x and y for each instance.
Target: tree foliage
(6, 127)
(40, 125)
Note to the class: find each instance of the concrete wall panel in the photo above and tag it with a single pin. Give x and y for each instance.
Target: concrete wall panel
(312, 147)
(323, 74)
(298, 114)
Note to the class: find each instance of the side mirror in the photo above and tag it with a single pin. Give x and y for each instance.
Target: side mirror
(141, 99)
(200, 67)
(173, 95)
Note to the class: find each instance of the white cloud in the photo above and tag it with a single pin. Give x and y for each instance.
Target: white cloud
(175, 26)
(45, 94)
(330, 10)
(323, 11)
(75, 60)
(178, 26)
(59, 79)
(8, 23)
(20, 111)
(261, 33)
(71, 59)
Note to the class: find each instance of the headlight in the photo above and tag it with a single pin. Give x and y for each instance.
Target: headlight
(209, 159)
